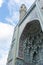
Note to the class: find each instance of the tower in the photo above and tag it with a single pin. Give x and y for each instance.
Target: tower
(22, 11)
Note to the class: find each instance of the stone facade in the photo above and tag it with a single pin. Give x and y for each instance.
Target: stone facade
(27, 41)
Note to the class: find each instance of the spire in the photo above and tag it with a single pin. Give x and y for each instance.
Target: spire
(22, 11)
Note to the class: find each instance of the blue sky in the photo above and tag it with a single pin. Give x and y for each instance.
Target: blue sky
(9, 17)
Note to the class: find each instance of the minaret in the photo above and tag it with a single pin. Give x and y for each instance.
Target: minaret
(22, 11)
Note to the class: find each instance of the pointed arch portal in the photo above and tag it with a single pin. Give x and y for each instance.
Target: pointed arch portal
(30, 43)
(31, 28)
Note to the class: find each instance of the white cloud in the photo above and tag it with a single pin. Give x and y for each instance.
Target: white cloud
(11, 6)
(29, 2)
(6, 33)
(1, 2)
(12, 3)
(14, 18)
(9, 20)
(17, 1)
(5, 30)
(3, 60)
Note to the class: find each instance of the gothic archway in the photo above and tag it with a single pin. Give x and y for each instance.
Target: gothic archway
(28, 41)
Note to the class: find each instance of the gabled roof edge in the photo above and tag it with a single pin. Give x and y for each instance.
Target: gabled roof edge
(28, 12)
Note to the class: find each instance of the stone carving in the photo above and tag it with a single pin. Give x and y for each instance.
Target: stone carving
(33, 47)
